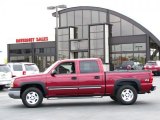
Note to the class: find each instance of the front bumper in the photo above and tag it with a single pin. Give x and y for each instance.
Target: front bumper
(14, 93)
(153, 88)
(5, 83)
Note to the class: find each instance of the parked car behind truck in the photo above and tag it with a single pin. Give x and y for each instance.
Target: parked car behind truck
(81, 78)
(154, 66)
(129, 65)
(5, 76)
(23, 68)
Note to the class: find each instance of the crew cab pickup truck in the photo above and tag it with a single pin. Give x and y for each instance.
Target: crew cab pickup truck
(76, 78)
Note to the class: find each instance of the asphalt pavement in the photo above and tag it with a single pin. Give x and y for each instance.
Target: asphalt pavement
(147, 107)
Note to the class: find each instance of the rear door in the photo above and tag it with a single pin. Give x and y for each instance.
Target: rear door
(90, 78)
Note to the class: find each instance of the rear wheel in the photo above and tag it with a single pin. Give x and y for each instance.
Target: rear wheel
(126, 95)
(32, 97)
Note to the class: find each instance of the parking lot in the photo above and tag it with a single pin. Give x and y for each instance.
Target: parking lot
(147, 107)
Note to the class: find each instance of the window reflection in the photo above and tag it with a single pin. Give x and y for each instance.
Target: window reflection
(127, 47)
(139, 46)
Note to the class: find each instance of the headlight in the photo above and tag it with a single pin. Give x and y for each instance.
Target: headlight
(12, 82)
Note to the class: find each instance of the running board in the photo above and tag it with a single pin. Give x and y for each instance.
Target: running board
(83, 97)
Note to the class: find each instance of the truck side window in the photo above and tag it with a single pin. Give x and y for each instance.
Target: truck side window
(89, 67)
(66, 68)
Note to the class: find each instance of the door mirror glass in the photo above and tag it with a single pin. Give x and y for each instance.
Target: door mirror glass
(53, 72)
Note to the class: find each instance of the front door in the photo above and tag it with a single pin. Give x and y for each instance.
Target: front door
(64, 82)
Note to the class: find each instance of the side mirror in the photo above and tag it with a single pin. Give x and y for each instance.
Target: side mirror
(53, 72)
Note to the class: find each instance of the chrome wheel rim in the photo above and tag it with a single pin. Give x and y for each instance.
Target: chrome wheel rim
(32, 98)
(127, 95)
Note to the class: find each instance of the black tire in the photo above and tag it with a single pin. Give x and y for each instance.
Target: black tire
(113, 98)
(32, 97)
(126, 95)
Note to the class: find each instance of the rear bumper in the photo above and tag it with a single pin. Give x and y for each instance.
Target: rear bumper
(14, 93)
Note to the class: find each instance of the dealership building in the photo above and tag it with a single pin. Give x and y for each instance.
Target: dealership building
(87, 32)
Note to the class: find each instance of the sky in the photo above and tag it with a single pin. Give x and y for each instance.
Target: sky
(30, 18)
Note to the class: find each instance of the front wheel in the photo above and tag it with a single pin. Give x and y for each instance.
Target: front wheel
(1, 87)
(126, 95)
(32, 97)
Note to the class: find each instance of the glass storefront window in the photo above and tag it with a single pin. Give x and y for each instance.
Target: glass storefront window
(86, 17)
(78, 17)
(63, 54)
(96, 44)
(63, 45)
(93, 35)
(140, 57)
(114, 18)
(85, 31)
(65, 31)
(79, 32)
(98, 53)
(139, 46)
(117, 48)
(137, 31)
(127, 57)
(65, 37)
(60, 31)
(79, 45)
(52, 59)
(126, 27)
(103, 17)
(93, 29)
(71, 18)
(63, 19)
(83, 44)
(116, 31)
(100, 35)
(99, 28)
(127, 47)
(95, 17)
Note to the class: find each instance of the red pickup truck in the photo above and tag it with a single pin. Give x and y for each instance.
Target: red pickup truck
(81, 78)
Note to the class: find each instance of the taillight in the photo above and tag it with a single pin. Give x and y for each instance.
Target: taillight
(24, 73)
(151, 77)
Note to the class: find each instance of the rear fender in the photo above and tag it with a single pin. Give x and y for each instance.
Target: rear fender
(129, 81)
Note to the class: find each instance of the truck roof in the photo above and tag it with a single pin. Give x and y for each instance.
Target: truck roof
(79, 59)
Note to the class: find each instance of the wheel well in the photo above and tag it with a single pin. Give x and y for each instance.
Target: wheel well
(24, 87)
(131, 83)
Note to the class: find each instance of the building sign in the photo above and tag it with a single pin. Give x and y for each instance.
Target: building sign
(29, 40)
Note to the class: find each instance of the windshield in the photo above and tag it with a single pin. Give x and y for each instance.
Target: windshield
(49, 68)
(4, 68)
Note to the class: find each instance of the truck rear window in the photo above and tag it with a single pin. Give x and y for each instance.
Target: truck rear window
(89, 67)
